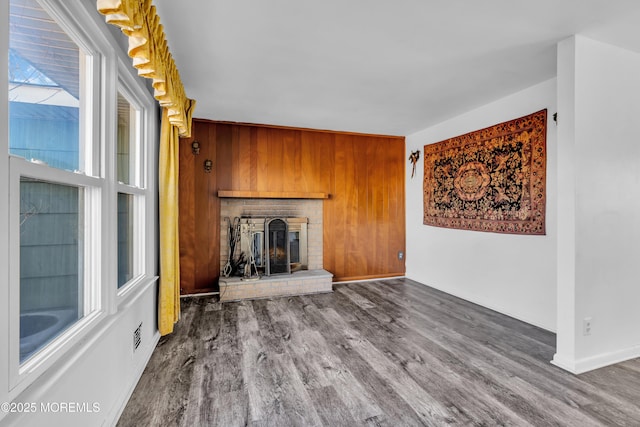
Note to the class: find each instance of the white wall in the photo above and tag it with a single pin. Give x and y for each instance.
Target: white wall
(565, 338)
(103, 370)
(600, 93)
(515, 275)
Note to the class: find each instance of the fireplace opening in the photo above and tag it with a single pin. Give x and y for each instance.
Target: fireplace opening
(277, 247)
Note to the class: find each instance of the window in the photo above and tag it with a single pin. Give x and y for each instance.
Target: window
(129, 169)
(46, 94)
(128, 141)
(125, 239)
(51, 261)
(82, 209)
(50, 135)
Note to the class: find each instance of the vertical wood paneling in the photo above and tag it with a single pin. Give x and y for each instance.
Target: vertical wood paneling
(224, 150)
(397, 162)
(199, 237)
(317, 161)
(253, 153)
(186, 197)
(327, 153)
(213, 236)
(377, 203)
(336, 219)
(262, 156)
(292, 148)
(309, 165)
(363, 219)
(203, 230)
(241, 155)
(277, 169)
(361, 228)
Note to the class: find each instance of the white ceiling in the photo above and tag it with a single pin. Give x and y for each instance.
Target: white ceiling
(374, 66)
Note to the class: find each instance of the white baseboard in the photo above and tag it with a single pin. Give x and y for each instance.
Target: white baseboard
(586, 364)
(564, 363)
(114, 416)
(484, 304)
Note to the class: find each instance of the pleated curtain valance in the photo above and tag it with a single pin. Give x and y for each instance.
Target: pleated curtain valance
(151, 57)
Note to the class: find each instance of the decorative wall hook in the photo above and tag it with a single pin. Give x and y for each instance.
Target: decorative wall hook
(208, 165)
(195, 147)
(413, 158)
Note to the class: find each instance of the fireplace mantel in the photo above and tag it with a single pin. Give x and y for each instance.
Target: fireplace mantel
(271, 194)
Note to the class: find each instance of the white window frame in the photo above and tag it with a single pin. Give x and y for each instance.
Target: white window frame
(93, 182)
(145, 193)
(144, 190)
(135, 187)
(91, 272)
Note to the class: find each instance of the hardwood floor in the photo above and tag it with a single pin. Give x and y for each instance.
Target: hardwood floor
(385, 353)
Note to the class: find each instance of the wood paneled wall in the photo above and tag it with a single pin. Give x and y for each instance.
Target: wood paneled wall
(199, 212)
(364, 221)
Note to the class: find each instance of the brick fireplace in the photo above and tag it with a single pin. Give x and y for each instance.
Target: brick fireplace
(312, 280)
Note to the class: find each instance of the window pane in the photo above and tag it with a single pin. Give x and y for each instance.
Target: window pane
(125, 238)
(44, 88)
(51, 261)
(126, 138)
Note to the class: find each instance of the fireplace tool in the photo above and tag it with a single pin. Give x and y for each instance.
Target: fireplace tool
(251, 270)
(234, 237)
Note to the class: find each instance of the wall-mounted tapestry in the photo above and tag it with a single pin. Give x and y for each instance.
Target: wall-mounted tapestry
(492, 179)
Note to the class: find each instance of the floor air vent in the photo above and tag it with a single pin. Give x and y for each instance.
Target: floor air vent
(137, 337)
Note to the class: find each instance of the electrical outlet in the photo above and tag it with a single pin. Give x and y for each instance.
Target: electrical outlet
(400, 255)
(587, 324)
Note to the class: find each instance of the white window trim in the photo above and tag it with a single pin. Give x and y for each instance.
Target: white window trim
(94, 187)
(69, 18)
(138, 249)
(4, 201)
(142, 187)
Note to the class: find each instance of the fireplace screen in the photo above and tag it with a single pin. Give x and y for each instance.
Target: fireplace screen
(277, 251)
(279, 245)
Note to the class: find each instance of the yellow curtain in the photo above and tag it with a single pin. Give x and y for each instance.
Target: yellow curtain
(169, 291)
(151, 57)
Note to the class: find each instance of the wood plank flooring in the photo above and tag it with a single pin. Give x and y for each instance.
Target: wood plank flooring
(384, 353)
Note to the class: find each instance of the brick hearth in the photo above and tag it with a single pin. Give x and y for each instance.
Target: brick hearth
(297, 283)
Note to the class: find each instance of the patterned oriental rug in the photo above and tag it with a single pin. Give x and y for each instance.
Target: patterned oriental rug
(492, 179)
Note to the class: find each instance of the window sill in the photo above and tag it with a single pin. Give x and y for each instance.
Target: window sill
(129, 293)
